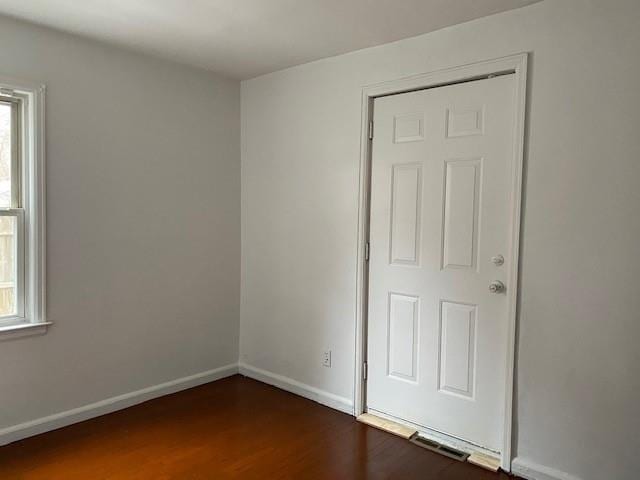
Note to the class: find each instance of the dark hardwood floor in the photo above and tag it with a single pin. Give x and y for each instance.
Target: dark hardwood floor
(233, 428)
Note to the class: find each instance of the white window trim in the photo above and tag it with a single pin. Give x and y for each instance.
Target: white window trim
(33, 320)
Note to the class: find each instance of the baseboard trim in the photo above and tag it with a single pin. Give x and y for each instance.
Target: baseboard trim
(86, 412)
(533, 471)
(336, 402)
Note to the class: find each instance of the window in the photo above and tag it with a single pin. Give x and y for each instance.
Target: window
(22, 309)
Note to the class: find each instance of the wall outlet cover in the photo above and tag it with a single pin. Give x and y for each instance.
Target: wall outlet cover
(326, 358)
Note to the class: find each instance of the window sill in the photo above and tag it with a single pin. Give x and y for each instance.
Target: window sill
(20, 330)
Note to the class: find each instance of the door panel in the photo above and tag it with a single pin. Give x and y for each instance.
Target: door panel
(403, 336)
(440, 210)
(456, 362)
(405, 214)
(461, 208)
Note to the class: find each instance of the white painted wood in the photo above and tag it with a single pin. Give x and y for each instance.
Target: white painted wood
(362, 253)
(85, 412)
(325, 398)
(463, 214)
(406, 185)
(436, 436)
(31, 214)
(402, 355)
(464, 122)
(518, 65)
(461, 210)
(517, 151)
(534, 471)
(456, 362)
(408, 128)
(19, 330)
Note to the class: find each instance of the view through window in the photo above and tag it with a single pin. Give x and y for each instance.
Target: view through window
(8, 224)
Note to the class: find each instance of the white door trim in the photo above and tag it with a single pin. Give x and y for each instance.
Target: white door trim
(518, 65)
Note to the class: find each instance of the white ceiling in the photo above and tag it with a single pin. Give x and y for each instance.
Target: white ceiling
(246, 38)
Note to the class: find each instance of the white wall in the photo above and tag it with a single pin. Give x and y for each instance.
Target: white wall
(578, 387)
(143, 191)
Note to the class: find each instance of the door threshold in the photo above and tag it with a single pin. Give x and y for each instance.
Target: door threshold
(390, 426)
(485, 461)
(477, 455)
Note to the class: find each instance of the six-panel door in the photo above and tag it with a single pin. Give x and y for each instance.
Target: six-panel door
(440, 211)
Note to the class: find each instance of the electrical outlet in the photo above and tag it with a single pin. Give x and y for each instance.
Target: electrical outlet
(326, 359)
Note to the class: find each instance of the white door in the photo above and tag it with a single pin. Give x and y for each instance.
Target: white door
(440, 222)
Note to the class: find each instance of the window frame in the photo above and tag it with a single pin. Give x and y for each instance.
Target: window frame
(27, 206)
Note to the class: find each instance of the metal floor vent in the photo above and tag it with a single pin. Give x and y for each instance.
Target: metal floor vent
(438, 448)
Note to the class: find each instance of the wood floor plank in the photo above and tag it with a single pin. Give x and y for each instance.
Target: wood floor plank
(235, 428)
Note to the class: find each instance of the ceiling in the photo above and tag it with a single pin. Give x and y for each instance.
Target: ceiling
(246, 38)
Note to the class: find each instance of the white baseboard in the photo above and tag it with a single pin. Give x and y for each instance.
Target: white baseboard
(62, 419)
(534, 471)
(336, 402)
(521, 467)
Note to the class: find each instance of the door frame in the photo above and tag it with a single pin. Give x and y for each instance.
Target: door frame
(514, 64)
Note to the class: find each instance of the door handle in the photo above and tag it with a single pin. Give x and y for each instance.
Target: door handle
(497, 287)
